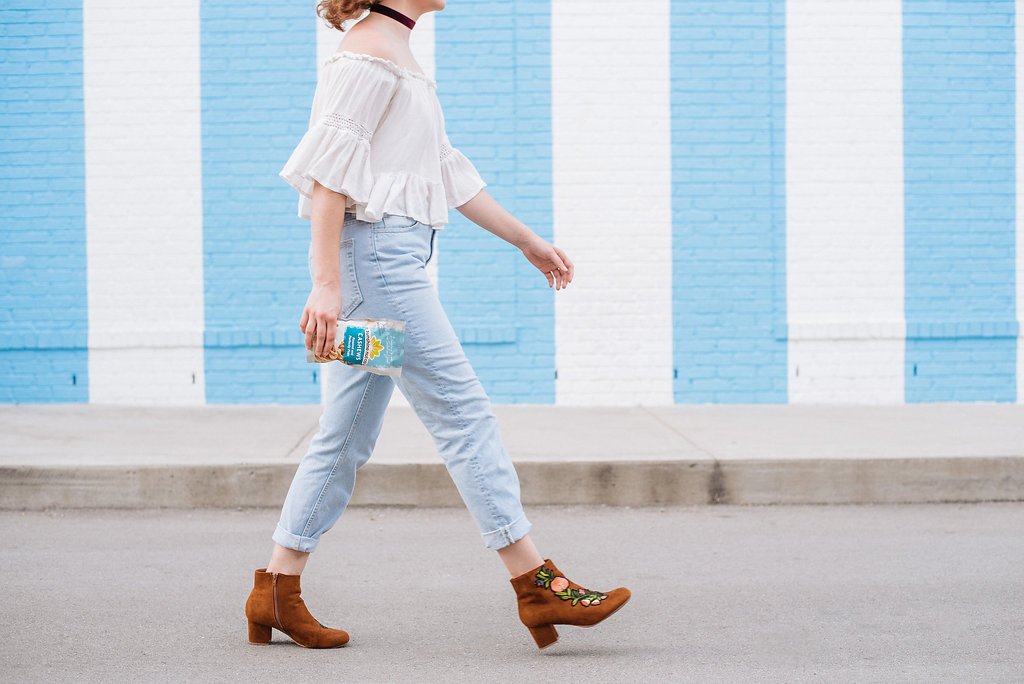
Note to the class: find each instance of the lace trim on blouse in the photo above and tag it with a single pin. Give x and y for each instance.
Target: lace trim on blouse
(446, 151)
(345, 123)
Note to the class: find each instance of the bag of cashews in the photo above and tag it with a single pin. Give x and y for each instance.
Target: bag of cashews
(370, 344)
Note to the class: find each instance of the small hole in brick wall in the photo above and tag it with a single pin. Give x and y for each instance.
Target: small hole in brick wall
(915, 369)
(193, 378)
(797, 372)
(74, 379)
(314, 377)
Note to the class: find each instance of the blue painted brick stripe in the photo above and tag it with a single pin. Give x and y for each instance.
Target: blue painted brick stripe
(258, 77)
(493, 70)
(959, 158)
(44, 323)
(728, 201)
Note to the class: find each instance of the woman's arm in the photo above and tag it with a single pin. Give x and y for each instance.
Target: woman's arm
(323, 307)
(552, 261)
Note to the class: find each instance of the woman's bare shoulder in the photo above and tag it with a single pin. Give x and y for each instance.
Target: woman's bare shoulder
(368, 42)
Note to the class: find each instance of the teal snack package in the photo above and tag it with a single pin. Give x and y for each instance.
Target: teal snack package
(376, 345)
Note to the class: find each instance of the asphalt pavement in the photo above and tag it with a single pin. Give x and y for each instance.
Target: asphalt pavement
(723, 593)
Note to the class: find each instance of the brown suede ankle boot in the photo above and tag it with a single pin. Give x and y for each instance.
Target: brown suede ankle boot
(547, 597)
(275, 602)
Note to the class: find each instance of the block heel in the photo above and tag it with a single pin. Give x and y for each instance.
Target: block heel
(259, 634)
(276, 599)
(544, 635)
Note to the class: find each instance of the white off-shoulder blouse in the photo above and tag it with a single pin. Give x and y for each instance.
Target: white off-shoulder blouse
(377, 135)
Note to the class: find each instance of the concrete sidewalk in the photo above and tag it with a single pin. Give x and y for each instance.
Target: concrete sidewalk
(85, 455)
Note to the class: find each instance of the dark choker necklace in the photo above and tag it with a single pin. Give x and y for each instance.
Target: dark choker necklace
(393, 13)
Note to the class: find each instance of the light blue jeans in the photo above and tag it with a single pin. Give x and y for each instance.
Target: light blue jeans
(383, 275)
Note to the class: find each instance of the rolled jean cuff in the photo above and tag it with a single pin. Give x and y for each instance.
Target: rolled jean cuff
(294, 541)
(503, 536)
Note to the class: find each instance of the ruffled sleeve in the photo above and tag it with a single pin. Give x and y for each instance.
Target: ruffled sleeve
(351, 98)
(461, 179)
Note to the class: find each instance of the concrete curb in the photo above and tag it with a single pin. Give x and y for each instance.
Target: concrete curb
(617, 483)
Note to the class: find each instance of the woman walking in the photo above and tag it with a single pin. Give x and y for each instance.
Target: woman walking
(376, 176)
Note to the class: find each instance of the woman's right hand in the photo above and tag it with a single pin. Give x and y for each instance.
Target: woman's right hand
(320, 318)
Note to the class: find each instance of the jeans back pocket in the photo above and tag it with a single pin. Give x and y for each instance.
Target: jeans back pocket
(351, 297)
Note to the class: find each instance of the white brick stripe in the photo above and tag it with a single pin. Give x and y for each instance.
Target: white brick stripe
(143, 199)
(844, 200)
(612, 201)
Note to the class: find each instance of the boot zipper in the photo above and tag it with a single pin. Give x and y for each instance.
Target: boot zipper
(277, 615)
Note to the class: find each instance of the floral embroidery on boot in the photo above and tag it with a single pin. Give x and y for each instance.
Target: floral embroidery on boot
(564, 590)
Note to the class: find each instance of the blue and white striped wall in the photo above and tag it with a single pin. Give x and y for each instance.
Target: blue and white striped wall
(767, 201)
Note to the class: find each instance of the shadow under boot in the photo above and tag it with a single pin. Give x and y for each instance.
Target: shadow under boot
(546, 597)
(276, 603)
